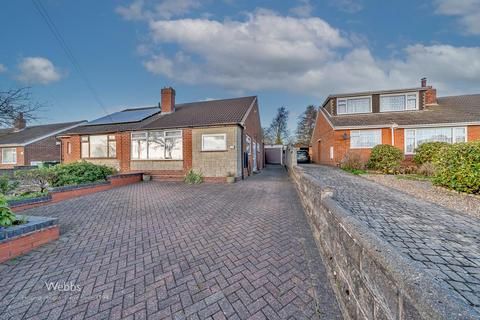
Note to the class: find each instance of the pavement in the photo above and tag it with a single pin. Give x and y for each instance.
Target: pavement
(167, 250)
(439, 240)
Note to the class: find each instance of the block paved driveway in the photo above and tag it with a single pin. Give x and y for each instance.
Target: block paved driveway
(444, 242)
(169, 250)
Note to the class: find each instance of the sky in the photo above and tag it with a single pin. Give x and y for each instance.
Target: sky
(289, 53)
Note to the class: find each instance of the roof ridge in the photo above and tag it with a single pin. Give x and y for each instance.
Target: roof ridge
(460, 95)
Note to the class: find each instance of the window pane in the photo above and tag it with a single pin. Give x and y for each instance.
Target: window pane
(392, 103)
(139, 135)
(173, 133)
(365, 138)
(411, 102)
(85, 150)
(112, 149)
(434, 134)
(341, 106)
(135, 149)
(460, 135)
(9, 155)
(142, 149)
(409, 141)
(84, 138)
(173, 148)
(215, 142)
(156, 145)
(359, 105)
(98, 146)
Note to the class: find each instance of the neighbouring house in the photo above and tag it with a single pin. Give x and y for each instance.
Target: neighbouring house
(405, 118)
(216, 137)
(24, 145)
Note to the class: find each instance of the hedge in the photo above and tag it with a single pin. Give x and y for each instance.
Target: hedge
(458, 167)
(427, 151)
(385, 158)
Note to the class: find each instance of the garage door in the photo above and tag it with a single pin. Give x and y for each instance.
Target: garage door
(273, 155)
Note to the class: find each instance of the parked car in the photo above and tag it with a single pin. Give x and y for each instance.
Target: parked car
(303, 156)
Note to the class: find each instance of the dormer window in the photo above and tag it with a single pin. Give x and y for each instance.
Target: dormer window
(399, 102)
(354, 105)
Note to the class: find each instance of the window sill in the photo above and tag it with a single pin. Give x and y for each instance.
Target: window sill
(359, 148)
(98, 158)
(167, 160)
(214, 150)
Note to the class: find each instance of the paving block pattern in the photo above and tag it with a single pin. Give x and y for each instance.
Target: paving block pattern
(440, 240)
(174, 251)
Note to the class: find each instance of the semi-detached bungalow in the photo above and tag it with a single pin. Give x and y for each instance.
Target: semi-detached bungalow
(217, 138)
(404, 118)
(23, 145)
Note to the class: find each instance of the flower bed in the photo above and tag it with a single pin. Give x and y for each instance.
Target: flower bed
(19, 239)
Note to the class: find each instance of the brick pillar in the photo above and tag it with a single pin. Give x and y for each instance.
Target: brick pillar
(187, 149)
(123, 151)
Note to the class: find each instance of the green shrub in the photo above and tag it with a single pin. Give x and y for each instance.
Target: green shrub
(352, 161)
(78, 173)
(458, 167)
(427, 169)
(7, 184)
(426, 152)
(385, 158)
(193, 177)
(38, 178)
(7, 217)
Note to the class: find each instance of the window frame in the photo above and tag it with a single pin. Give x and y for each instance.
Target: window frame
(331, 153)
(224, 135)
(379, 131)
(14, 152)
(414, 130)
(109, 140)
(146, 138)
(405, 107)
(353, 98)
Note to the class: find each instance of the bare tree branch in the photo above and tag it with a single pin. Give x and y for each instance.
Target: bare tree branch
(16, 101)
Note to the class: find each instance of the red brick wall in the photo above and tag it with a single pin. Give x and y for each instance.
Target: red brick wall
(20, 159)
(123, 150)
(27, 242)
(43, 150)
(75, 149)
(187, 150)
(473, 133)
(253, 129)
(323, 132)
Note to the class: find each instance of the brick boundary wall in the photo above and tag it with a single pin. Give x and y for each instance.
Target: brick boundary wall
(22, 244)
(68, 192)
(370, 278)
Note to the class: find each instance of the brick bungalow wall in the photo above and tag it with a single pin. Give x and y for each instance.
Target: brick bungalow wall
(253, 130)
(43, 150)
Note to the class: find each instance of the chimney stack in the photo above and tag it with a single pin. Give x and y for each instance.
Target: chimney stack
(168, 100)
(20, 123)
(424, 82)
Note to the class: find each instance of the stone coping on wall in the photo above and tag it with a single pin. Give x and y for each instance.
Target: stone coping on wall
(78, 186)
(34, 223)
(22, 202)
(371, 278)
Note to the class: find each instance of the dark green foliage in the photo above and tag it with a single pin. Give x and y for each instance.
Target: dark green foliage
(458, 167)
(7, 217)
(78, 173)
(426, 152)
(385, 158)
(7, 184)
(193, 177)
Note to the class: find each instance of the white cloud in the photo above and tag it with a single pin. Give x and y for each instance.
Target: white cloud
(147, 10)
(267, 51)
(349, 6)
(2, 68)
(304, 9)
(37, 70)
(467, 11)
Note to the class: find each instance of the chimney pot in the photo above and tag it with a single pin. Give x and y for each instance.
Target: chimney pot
(424, 82)
(20, 123)
(167, 100)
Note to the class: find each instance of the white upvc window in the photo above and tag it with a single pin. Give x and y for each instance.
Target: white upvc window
(365, 139)
(331, 152)
(399, 102)
(354, 105)
(99, 146)
(214, 142)
(157, 145)
(9, 155)
(415, 137)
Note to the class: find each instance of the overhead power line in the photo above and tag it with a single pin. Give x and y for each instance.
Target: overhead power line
(68, 52)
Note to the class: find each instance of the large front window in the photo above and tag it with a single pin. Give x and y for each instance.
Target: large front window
(99, 146)
(398, 102)
(361, 139)
(214, 142)
(157, 145)
(9, 156)
(415, 137)
(354, 105)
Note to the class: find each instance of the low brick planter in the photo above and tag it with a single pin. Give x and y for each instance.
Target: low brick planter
(67, 192)
(19, 239)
